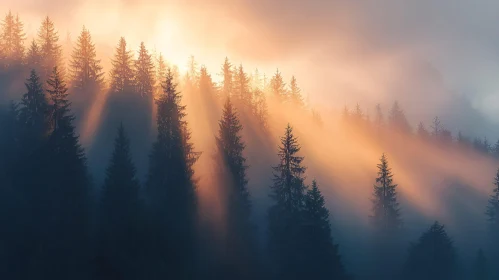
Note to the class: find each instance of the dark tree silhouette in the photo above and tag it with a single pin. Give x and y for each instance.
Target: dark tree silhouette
(240, 236)
(433, 257)
(385, 211)
(285, 215)
(121, 74)
(227, 84)
(322, 260)
(120, 239)
(492, 210)
(171, 188)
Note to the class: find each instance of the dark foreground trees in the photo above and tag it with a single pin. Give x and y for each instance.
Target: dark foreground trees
(433, 256)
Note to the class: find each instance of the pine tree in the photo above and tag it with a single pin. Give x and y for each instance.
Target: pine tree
(480, 267)
(386, 213)
(227, 85)
(492, 211)
(241, 90)
(85, 67)
(122, 78)
(18, 39)
(436, 128)
(433, 257)
(397, 120)
(144, 73)
(51, 51)
(161, 68)
(33, 114)
(171, 187)
(295, 96)
(285, 215)
(34, 56)
(61, 206)
(119, 215)
(260, 107)
(7, 36)
(240, 237)
(206, 86)
(192, 77)
(278, 87)
(495, 150)
(322, 260)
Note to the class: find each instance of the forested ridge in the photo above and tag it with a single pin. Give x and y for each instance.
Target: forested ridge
(240, 190)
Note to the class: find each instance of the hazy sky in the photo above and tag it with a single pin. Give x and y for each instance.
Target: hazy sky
(423, 53)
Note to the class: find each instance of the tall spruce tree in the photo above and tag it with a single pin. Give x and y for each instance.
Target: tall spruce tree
(260, 107)
(144, 73)
(161, 67)
(85, 67)
(285, 215)
(227, 84)
(433, 257)
(242, 93)
(121, 74)
(59, 195)
(492, 210)
(397, 120)
(385, 216)
(33, 115)
(278, 87)
(171, 188)
(12, 38)
(18, 41)
(240, 236)
(51, 50)
(295, 97)
(33, 56)
(322, 260)
(119, 247)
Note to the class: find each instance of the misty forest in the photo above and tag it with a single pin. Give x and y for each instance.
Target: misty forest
(150, 170)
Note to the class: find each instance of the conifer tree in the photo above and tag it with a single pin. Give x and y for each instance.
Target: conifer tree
(85, 67)
(492, 210)
(51, 51)
(144, 73)
(385, 216)
(285, 215)
(192, 77)
(397, 120)
(33, 114)
(240, 238)
(119, 215)
(122, 78)
(322, 260)
(495, 150)
(278, 87)
(59, 187)
(161, 68)
(433, 257)
(34, 56)
(18, 39)
(260, 107)
(295, 96)
(7, 35)
(241, 92)
(171, 187)
(206, 86)
(227, 85)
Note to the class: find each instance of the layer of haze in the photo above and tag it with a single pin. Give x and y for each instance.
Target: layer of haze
(436, 58)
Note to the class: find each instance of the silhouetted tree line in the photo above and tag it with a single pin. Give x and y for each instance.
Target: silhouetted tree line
(58, 224)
